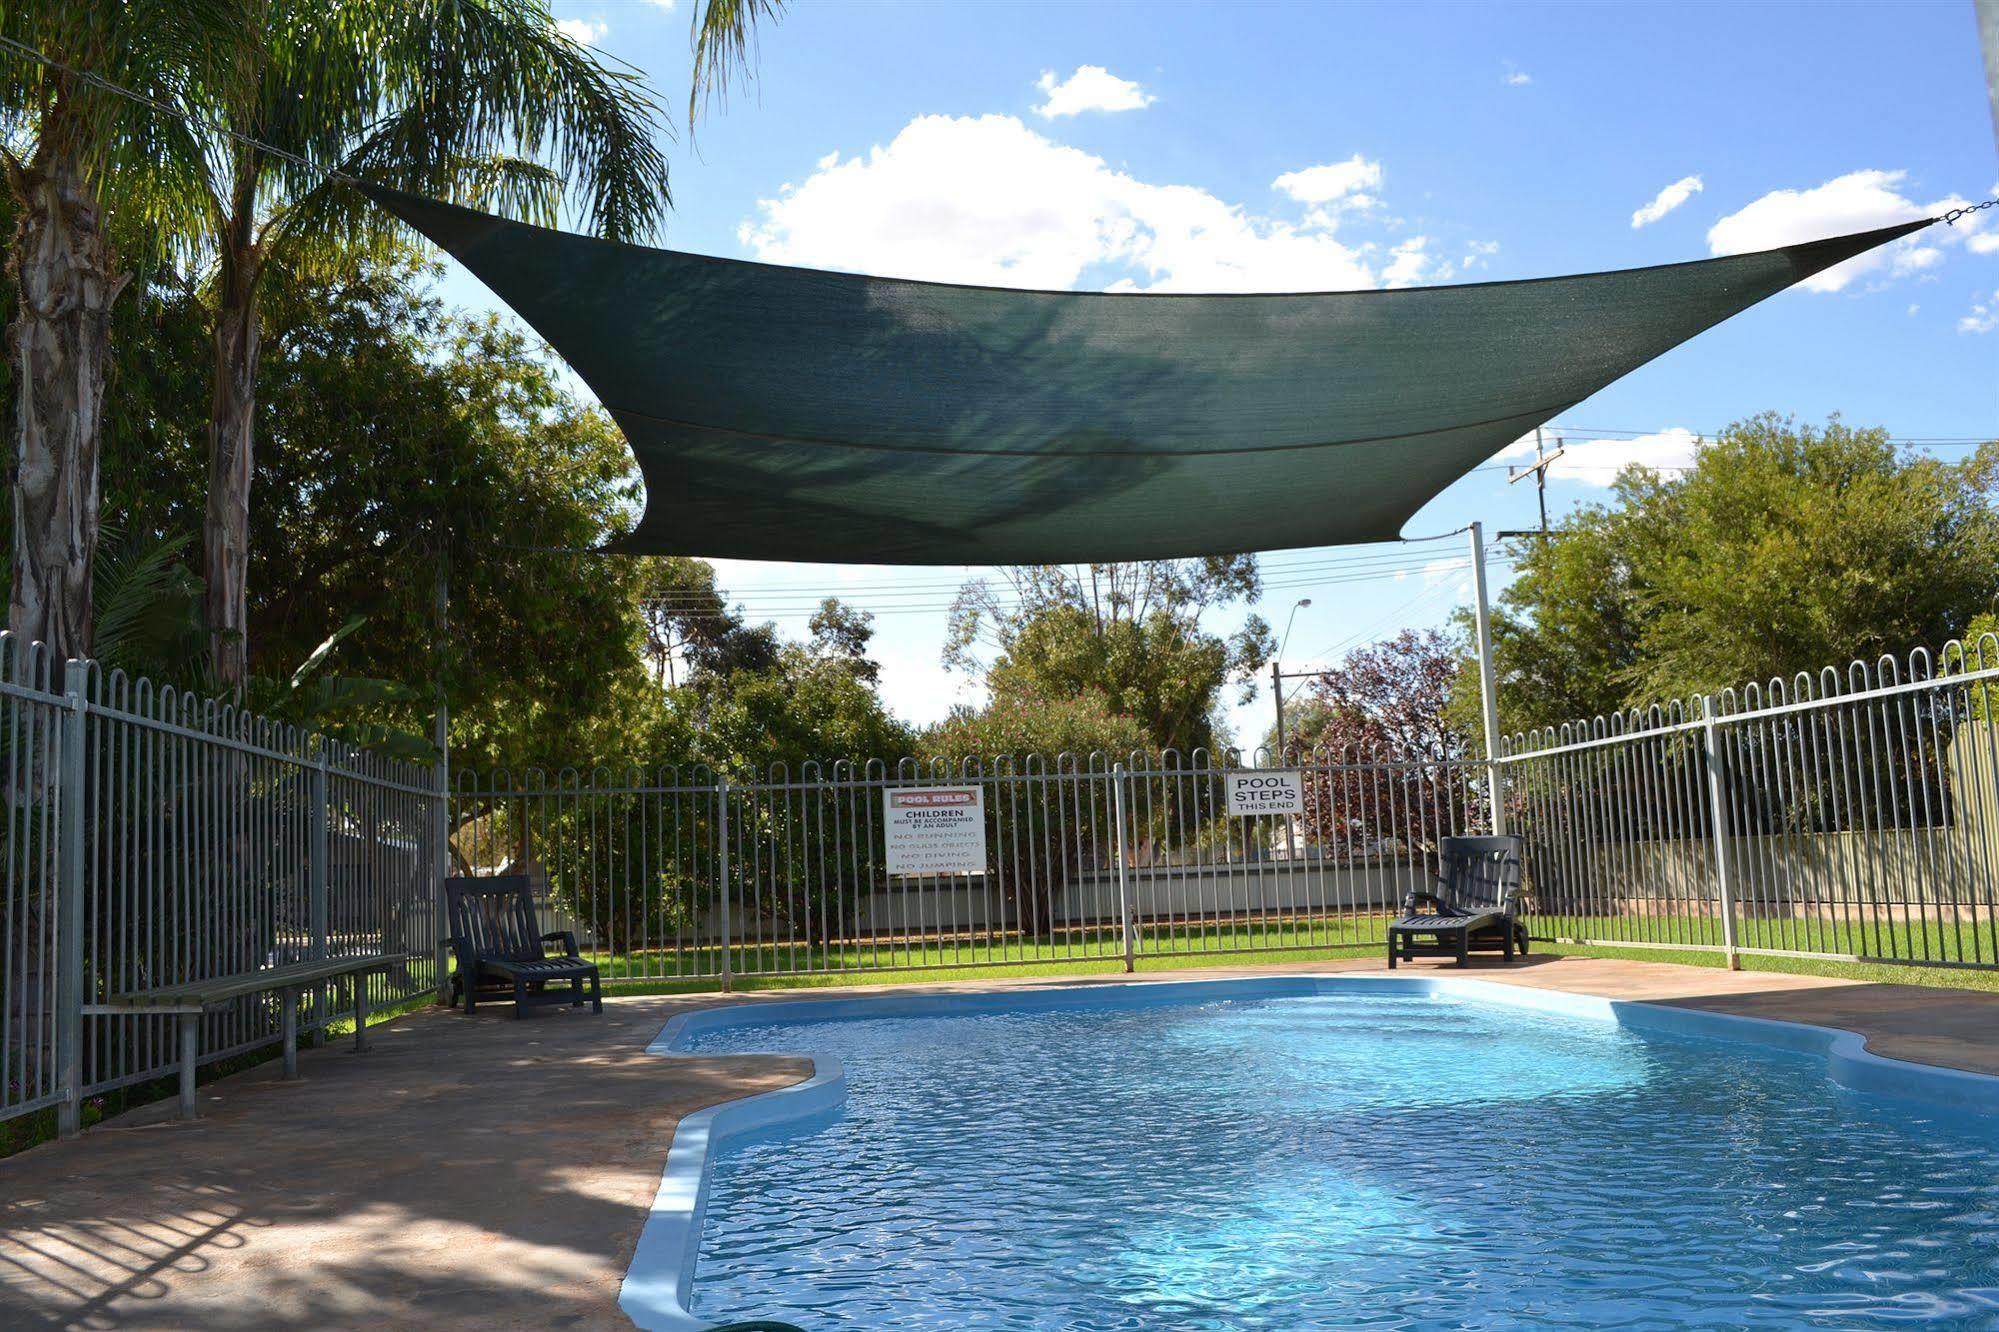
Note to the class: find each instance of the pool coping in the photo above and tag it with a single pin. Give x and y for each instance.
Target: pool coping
(660, 1278)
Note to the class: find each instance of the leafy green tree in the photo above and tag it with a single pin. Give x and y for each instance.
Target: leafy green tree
(1015, 725)
(485, 102)
(807, 709)
(687, 617)
(74, 151)
(1130, 632)
(842, 633)
(409, 441)
(1785, 548)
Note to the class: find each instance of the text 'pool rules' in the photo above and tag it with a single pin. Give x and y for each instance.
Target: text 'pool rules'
(935, 830)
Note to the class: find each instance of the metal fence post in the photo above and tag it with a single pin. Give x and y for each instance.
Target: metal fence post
(441, 854)
(317, 799)
(1718, 819)
(722, 863)
(69, 905)
(1123, 893)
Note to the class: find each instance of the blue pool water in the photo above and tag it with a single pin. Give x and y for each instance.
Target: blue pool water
(1390, 1161)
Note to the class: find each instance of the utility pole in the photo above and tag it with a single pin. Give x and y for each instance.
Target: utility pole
(1277, 692)
(1539, 471)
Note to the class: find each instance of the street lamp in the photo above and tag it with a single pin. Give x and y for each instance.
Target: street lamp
(1277, 673)
(1301, 604)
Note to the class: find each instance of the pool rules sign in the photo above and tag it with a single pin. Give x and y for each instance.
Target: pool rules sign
(1266, 792)
(935, 829)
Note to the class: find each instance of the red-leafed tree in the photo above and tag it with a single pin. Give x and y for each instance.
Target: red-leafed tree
(1382, 761)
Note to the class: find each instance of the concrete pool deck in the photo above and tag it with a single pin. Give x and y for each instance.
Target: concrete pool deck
(489, 1173)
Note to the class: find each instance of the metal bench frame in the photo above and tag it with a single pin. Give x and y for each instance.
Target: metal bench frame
(187, 1002)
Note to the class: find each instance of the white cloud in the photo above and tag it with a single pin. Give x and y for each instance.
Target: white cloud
(1596, 462)
(1516, 77)
(589, 32)
(1984, 316)
(1477, 254)
(1336, 184)
(664, 5)
(1857, 201)
(987, 200)
(1666, 200)
(1090, 88)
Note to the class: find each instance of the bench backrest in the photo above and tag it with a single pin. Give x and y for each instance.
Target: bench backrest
(495, 916)
(1481, 873)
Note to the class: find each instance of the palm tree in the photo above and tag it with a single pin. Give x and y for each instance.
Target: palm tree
(69, 142)
(479, 101)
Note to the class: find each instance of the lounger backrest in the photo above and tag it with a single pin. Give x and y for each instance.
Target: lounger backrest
(495, 916)
(1481, 873)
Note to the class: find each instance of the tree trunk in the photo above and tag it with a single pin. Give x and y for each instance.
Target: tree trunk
(225, 533)
(60, 343)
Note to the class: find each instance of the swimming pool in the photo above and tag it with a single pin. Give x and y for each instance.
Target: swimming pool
(1290, 1153)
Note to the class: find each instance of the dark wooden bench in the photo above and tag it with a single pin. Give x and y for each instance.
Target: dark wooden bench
(189, 1000)
(1474, 906)
(500, 948)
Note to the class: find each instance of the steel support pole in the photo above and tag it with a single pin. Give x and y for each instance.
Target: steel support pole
(722, 872)
(316, 888)
(1123, 890)
(441, 854)
(1717, 795)
(440, 736)
(69, 904)
(1488, 689)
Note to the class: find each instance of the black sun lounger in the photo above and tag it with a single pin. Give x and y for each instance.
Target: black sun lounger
(1473, 908)
(499, 947)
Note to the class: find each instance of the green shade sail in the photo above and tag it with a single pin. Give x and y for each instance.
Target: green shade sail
(791, 414)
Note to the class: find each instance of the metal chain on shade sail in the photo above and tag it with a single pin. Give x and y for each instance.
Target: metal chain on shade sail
(792, 414)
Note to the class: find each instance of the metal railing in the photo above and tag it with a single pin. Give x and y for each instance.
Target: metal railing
(154, 838)
(673, 874)
(1851, 815)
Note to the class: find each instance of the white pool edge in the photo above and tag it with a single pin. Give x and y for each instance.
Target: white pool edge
(659, 1283)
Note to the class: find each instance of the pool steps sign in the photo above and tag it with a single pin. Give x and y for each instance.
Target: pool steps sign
(935, 830)
(658, 1286)
(1258, 791)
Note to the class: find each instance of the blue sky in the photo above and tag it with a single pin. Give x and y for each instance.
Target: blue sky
(1192, 146)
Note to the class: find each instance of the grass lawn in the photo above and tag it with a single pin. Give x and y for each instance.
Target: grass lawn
(1097, 952)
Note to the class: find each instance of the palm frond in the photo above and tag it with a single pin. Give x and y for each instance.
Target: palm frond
(725, 35)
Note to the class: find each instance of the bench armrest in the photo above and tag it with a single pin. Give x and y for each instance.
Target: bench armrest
(461, 949)
(1418, 898)
(567, 938)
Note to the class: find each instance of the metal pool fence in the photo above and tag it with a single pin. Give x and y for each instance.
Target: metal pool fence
(150, 838)
(153, 838)
(675, 874)
(1852, 815)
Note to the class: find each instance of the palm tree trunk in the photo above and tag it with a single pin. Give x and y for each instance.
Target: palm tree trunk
(231, 435)
(60, 345)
